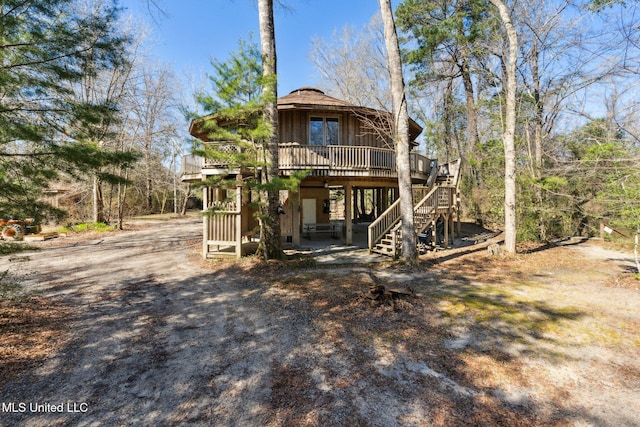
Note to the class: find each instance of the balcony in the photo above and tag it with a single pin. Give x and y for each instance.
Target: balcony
(191, 168)
(330, 161)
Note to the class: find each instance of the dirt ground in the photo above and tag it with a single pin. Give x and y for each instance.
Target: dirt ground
(133, 328)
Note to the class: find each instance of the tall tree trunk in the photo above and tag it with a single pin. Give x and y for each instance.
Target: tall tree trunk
(270, 238)
(538, 135)
(448, 119)
(635, 249)
(163, 202)
(186, 200)
(508, 134)
(148, 180)
(98, 203)
(472, 117)
(122, 197)
(401, 135)
(472, 113)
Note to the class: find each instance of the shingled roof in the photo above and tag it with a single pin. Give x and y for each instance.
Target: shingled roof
(309, 98)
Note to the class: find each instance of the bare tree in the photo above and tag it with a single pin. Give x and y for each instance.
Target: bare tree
(353, 65)
(107, 88)
(448, 35)
(508, 129)
(153, 104)
(146, 122)
(401, 139)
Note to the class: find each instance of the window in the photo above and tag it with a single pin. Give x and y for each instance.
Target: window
(316, 131)
(324, 131)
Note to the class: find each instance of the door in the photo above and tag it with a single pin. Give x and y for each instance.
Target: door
(308, 211)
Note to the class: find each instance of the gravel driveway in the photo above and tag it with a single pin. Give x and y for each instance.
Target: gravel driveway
(133, 329)
(154, 339)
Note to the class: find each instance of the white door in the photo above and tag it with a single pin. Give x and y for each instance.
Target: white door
(308, 211)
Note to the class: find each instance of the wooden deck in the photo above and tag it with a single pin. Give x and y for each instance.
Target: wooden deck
(341, 160)
(331, 160)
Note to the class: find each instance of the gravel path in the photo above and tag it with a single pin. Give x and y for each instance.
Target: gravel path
(154, 339)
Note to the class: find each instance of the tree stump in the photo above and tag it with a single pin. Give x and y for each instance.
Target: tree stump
(379, 294)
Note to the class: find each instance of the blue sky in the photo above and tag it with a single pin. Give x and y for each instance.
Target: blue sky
(195, 30)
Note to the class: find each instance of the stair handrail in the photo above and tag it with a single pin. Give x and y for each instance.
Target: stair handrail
(419, 207)
(395, 228)
(389, 220)
(383, 223)
(426, 206)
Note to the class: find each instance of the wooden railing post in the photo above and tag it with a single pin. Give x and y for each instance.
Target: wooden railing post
(238, 220)
(348, 214)
(205, 222)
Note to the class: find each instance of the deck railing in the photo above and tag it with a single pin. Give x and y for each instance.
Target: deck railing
(191, 164)
(225, 150)
(343, 159)
(339, 160)
(223, 227)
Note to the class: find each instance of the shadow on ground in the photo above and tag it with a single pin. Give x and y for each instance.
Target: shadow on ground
(273, 344)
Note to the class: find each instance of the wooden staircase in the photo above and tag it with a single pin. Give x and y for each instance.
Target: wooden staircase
(439, 200)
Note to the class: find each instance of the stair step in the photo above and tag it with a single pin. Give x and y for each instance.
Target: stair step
(424, 215)
(382, 251)
(385, 245)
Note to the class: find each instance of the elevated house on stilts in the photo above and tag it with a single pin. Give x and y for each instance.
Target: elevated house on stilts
(352, 179)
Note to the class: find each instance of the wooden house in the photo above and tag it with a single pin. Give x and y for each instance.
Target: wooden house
(349, 155)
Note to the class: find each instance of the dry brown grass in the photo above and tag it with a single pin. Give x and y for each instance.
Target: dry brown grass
(500, 300)
(493, 334)
(412, 327)
(627, 280)
(31, 330)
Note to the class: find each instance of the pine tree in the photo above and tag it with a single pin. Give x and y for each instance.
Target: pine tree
(46, 46)
(234, 113)
(270, 241)
(241, 135)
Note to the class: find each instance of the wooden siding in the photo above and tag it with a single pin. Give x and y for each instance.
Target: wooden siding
(361, 152)
(293, 127)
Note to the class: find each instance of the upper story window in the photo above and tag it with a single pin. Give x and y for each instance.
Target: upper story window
(324, 130)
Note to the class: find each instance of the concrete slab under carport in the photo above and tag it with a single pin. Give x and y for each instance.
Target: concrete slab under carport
(327, 250)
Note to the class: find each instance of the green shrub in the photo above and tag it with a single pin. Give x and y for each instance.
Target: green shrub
(98, 227)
